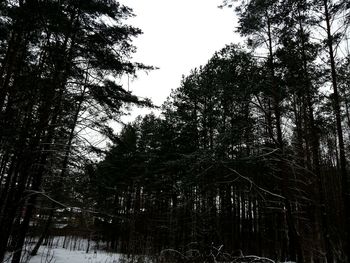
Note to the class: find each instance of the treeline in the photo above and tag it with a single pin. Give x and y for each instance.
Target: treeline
(58, 64)
(250, 152)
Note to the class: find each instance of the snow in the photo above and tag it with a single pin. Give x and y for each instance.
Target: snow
(75, 252)
(61, 255)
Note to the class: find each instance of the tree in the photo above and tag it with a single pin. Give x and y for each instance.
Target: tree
(60, 50)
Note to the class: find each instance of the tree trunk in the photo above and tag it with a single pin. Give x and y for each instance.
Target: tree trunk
(337, 112)
(295, 248)
(44, 234)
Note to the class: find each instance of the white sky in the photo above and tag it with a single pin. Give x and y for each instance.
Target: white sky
(178, 35)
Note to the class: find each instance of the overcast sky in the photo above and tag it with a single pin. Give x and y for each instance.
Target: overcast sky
(178, 35)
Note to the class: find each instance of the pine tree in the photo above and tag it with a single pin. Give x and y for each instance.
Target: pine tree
(61, 49)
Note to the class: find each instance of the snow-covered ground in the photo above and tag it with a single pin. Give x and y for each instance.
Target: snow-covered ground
(75, 252)
(61, 255)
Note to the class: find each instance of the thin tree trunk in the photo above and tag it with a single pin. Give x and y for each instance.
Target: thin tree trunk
(295, 248)
(337, 112)
(44, 234)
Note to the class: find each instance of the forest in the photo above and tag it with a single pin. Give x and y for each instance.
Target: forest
(247, 160)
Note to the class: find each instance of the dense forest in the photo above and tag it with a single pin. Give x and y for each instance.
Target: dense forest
(248, 156)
